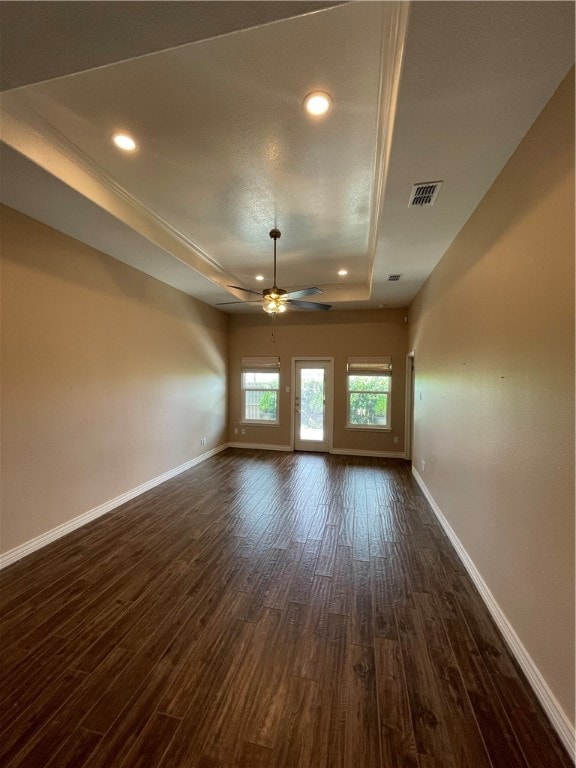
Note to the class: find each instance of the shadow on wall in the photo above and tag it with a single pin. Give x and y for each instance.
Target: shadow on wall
(72, 261)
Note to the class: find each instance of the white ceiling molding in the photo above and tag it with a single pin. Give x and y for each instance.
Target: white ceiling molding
(51, 153)
(393, 45)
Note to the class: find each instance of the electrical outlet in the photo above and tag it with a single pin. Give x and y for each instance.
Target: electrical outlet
(423, 464)
(243, 431)
(396, 440)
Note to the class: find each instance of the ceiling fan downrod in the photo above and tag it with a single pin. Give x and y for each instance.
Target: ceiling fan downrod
(275, 234)
(274, 298)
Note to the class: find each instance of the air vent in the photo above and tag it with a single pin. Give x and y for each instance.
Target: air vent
(424, 193)
(394, 278)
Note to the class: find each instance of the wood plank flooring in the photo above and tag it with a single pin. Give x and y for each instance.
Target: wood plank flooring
(262, 610)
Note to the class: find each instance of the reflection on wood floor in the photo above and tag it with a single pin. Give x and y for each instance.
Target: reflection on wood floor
(262, 609)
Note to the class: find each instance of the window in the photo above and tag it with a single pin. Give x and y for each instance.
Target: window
(260, 387)
(369, 381)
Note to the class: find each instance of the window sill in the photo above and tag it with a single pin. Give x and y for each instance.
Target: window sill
(366, 428)
(259, 423)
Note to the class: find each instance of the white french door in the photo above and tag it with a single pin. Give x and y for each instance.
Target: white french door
(312, 405)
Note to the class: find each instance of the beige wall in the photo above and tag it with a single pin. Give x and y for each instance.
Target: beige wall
(109, 378)
(332, 334)
(493, 332)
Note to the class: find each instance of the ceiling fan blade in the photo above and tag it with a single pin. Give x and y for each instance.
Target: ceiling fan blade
(308, 305)
(304, 292)
(223, 303)
(246, 290)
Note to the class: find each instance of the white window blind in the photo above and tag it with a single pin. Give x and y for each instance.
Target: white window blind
(260, 363)
(360, 365)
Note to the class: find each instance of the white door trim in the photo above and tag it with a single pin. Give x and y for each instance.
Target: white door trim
(409, 415)
(329, 412)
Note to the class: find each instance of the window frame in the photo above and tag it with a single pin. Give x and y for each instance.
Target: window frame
(370, 367)
(254, 366)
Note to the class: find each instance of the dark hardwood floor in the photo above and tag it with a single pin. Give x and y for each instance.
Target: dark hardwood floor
(262, 610)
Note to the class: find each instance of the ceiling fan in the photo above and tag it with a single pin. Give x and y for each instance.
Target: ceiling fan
(276, 300)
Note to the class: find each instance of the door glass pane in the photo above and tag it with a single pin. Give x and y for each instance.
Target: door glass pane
(312, 404)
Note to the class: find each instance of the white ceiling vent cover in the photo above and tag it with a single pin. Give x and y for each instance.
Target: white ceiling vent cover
(394, 278)
(424, 193)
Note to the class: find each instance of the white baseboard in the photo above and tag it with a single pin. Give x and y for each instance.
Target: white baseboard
(375, 454)
(549, 702)
(28, 547)
(339, 451)
(261, 446)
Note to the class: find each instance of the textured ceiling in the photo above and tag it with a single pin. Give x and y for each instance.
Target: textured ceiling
(435, 91)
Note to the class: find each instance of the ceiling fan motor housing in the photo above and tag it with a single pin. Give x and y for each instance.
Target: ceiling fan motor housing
(273, 293)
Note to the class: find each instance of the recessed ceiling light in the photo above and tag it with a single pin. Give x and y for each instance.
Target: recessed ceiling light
(318, 103)
(124, 142)
(342, 272)
(259, 277)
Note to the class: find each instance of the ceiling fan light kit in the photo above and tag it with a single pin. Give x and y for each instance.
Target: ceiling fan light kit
(274, 299)
(274, 306)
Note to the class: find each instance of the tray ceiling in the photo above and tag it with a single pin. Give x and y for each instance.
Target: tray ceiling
(436, 91)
